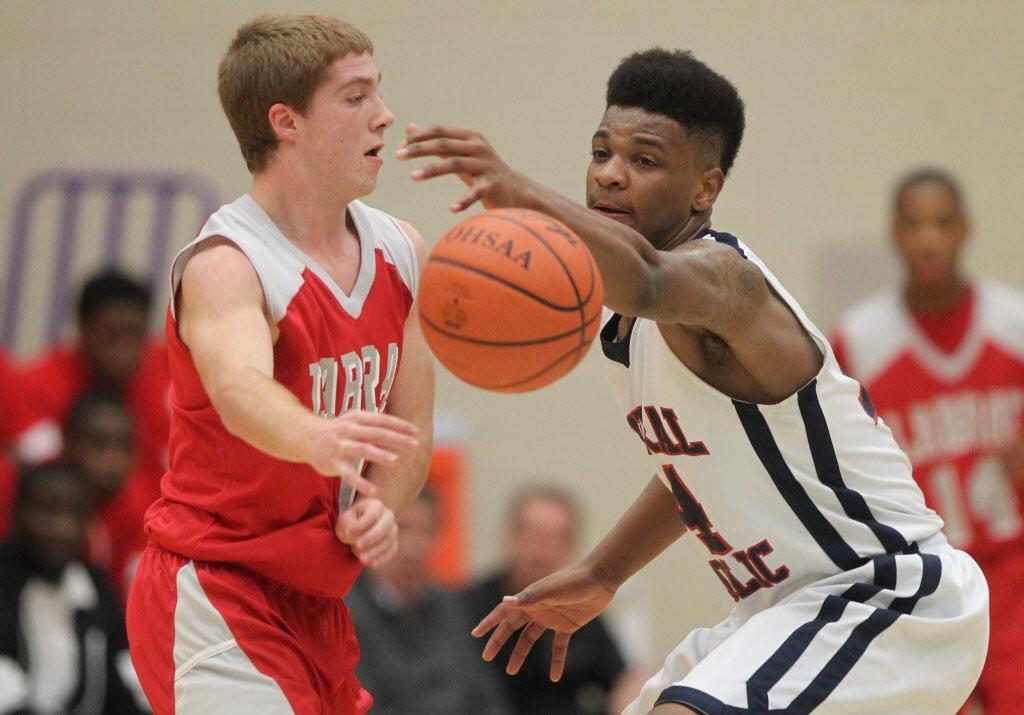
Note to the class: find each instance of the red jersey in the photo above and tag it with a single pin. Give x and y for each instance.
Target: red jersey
(223, 500)
(953, 395)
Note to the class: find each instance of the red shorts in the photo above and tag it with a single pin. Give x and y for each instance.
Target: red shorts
(211, 638)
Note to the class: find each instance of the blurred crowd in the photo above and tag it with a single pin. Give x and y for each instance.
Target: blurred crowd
(83, 439)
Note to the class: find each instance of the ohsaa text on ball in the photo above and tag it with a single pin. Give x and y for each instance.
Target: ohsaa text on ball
(491, 240)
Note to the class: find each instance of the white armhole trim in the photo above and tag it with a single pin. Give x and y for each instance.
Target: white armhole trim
(390, 237)
(280, 273)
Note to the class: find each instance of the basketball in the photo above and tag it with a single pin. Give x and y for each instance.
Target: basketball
(510, 300)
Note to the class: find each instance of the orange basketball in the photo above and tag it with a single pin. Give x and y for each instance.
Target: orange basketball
(510, 300)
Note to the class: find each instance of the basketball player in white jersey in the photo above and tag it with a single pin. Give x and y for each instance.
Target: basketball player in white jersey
(848, 597)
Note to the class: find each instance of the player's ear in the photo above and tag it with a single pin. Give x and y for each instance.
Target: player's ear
(712, 181)
(283, 122)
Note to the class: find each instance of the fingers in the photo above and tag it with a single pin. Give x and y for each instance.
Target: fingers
(470, 166)
(489, 621)
(527, 637)
(509, 625)
(356, 436)
(347, 473)
(477, 192)
(439, 147)
(370, 529)
(559, 650)
(414, 134)
(386, 438)
(381, 420)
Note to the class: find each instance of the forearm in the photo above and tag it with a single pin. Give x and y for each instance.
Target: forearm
(625, 259)
(263, 413)
(398, 485)
(647, 528)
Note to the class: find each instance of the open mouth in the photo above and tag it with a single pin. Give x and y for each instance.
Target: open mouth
(610, 211)
(375, 152)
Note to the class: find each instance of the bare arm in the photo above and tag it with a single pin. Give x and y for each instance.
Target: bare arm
(568, 599)
(411, 399)
(650, 525)
(698, 283)
(222, 319)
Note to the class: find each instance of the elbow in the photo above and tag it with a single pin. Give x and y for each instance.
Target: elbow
(228, 401)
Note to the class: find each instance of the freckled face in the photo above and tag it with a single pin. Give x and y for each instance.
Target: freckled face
(643, 172)
(342, 130)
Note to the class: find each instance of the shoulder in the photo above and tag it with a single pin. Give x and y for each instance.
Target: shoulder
(1002, 313)
(219, 264)
(872, 333)
(877, 311)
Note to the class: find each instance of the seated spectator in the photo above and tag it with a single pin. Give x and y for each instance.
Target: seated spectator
(112, 353)
(99, 439)
(541, 537)
(416, 652)
(12, 417)
(63, 646)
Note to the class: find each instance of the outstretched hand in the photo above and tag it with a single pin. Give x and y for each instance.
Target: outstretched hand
(338, 445)
(565, 601)
(468, 155)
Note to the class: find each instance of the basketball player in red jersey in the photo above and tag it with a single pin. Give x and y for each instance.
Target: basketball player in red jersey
(943, 360)
(288, 339)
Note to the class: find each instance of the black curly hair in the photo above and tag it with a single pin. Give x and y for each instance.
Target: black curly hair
(678, 85)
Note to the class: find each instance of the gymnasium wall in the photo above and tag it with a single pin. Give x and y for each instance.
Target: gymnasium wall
(841, 97)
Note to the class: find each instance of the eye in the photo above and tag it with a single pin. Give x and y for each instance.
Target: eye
(598, 154)
(356, 99)
(646, 161)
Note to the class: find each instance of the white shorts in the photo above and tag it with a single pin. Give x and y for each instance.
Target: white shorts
(902, 634)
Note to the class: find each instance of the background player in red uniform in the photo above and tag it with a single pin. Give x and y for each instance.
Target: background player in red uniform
(288, 338)
(942, 357)
(112, 352)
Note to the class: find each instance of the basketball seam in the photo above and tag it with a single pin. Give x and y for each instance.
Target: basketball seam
(505, 343)
(534, 376)
(565, 268)
(509, 284)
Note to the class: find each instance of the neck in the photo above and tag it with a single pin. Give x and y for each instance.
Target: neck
(309, 213)
(938, 297)
(694, 226)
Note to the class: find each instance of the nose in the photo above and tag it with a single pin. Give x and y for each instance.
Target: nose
(611, 174)
(384, 118)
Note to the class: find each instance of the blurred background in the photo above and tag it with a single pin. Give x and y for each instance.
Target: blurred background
(114, 103)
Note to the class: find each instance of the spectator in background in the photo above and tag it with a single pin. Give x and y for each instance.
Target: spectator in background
(942, 357)
(416, 652)
(112, 352)
(541, 537)
(12, 422)
(63, 646)
(99, 439)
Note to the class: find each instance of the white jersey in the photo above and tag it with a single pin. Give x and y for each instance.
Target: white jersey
(780, 495)
(815, 527)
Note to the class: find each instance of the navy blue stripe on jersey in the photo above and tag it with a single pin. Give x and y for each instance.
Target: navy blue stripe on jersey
(850, 652)
(819, 527)
(826, 464)
(869, 406)
(728, 239)
(617, 350)
(786, 656)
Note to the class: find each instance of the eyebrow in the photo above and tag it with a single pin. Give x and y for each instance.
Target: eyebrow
(368, 81)
(641, 140)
